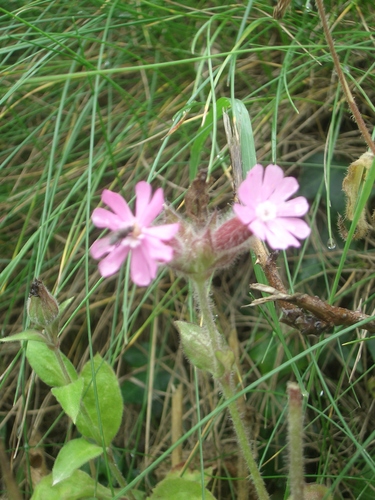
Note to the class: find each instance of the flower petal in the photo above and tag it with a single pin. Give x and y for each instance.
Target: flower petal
(282, 232)
(280, 227)
(114, 260)
(144, 243)
(273, 177)
(153, 209)
(101, 247)
(142, 267)
(143, 195)
(164, 232)
(118, 205)
(293, 208)
(250, 190)
(104, 218)
(295, 226)
(259, 228)
(246, 214)
(157, 250)
(278, 236)
(287, 187)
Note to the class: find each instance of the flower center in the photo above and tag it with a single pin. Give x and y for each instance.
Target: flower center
(135, 237)
(129, 235)
(266, 211)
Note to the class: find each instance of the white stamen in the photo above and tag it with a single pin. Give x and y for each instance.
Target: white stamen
(266, 211)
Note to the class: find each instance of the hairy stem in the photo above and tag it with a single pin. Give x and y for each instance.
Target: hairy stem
(295, 435)
(217, 343)
(204, 304)
(243, 438)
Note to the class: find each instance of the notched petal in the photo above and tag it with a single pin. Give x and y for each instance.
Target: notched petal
(153, 209)
(246, 214)
(114, 260)
(293, 208)
(250, 190)
(164, 232)
(117, 204)
(143, 195)
(101, 247)
(287, 187)
(105, 219)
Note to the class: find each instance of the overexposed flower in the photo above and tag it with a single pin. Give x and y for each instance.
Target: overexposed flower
(265, 208)
(133, 234)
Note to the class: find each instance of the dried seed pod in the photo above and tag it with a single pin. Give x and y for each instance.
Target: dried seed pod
(356, 176)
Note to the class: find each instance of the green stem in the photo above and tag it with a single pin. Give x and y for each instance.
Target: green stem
(204, 303)
(117, 474)
(217, 343)
(295, 434)
(202, 290)
(243, 439)
(57, 352)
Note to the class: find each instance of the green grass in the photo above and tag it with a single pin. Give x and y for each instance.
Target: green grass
(88, 95)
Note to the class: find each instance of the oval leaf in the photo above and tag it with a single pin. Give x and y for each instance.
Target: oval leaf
(45, 364)
(78, 486)
(26, 335)
(64, 305)
(196, 345)
(72, 456)
(69, 396)
(109, 399)
(248, 151)
(179, 489)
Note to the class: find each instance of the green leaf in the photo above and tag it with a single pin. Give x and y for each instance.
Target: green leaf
(72, 456)
(45, 364)
(194, 475)
(243, 124)
(69, 396)
(109, 400)
(202, 135)
(179, 489)
(64, 305)
(80, 485)
(26, 335)
(226, 361)
(196, 345)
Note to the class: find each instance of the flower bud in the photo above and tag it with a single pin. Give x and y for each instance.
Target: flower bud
(197, 346)
(205, 241)
(199, 250)
(229, 240)
(42, 307)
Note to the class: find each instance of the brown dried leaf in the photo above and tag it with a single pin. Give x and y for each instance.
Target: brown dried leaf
(351, 185)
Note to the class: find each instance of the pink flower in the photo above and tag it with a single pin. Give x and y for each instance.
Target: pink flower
(266, 211)
(133, 234)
